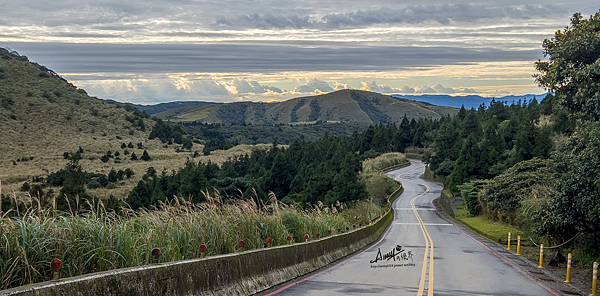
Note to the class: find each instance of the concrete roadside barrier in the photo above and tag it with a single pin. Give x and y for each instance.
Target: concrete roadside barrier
(241, 273)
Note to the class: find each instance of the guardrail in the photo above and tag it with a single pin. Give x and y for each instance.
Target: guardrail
(240, 273)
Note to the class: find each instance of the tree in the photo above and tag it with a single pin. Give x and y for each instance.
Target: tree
(112, 176)
(133, 156)
(577, 163)
(145, 156)
(187, 144)
(572, 72)
(129, 173)
(73, 186)
(167, 132)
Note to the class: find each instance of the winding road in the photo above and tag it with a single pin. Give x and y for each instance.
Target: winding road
(427, 254)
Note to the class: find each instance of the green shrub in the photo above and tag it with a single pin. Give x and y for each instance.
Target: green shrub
(470, 194)
(501, 197)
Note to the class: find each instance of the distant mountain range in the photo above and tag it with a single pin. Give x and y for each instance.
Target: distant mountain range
(471, 101)
(354, 106)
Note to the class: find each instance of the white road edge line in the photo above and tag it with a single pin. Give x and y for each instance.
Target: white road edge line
(426, 224)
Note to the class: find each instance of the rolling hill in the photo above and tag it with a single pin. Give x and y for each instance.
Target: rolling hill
(354, 106)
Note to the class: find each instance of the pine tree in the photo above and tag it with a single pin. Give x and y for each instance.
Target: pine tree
(145, 156)
(133, 156)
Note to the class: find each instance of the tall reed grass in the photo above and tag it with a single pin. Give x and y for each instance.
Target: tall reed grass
(383, 161)
(101, 240)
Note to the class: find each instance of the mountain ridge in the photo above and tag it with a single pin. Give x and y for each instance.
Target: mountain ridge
(469, 101)
(346, 105)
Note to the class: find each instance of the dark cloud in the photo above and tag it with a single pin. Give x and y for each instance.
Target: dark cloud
(219, 58)
(415, 14)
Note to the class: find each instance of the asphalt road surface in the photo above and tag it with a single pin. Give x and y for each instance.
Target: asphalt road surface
(434, 256)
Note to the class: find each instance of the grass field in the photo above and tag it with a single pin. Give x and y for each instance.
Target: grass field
(495, 231)
(164, 157)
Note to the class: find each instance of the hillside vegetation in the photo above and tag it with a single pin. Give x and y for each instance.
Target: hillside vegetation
(536, 166)
(384, 161)
(379, 185)
(44, 120)
(347, 105)
(42, 116)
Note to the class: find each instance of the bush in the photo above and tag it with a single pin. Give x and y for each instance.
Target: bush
(501, 197)
(25, 187)
(470, 194)
(129, 173)
(93, 184)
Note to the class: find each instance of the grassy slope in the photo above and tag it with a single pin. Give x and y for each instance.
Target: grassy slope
(43, 117)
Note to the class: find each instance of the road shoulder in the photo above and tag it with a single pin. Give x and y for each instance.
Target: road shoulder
(553, 283)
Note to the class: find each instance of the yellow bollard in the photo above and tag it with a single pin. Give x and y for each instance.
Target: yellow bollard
(595, 280)
(568, 276)
(518, 245)
(508, 243)
(541, 256)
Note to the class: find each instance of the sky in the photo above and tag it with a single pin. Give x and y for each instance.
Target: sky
(155, 51)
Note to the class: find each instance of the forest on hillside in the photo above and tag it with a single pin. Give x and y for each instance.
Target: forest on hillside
(535, 166)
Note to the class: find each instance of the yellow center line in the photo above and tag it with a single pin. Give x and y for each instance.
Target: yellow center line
(425, 254)
(429, 252)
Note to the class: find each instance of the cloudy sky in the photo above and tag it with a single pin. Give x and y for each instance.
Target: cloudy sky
(229, 50)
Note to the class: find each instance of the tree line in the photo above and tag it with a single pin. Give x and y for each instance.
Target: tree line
(536, 166)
